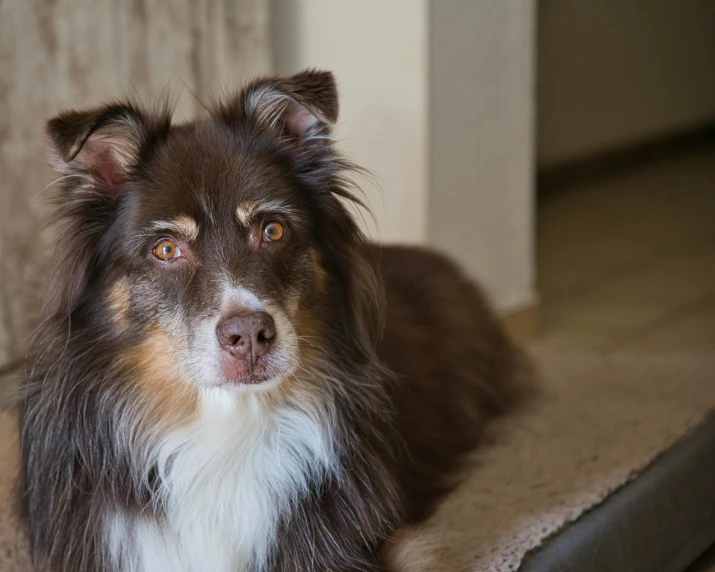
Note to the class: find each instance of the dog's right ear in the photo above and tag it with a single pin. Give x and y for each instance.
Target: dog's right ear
(97, 151)
(102, 145)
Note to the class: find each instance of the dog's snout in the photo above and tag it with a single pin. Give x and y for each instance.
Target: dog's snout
(247, 336)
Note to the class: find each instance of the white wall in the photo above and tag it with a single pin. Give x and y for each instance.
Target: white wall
(612, 72)
(481, 139)
(378, 51)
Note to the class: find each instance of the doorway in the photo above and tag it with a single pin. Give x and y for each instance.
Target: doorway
(626, 163)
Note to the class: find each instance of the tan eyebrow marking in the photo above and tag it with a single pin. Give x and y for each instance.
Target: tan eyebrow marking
(182, 224)
(247, 210)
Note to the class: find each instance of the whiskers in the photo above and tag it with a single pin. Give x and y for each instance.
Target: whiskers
(59, 179)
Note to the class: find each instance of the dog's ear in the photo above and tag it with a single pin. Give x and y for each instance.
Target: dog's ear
(302, 106)
(103, 144)
(97, 151)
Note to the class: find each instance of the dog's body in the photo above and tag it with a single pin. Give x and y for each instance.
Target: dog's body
(213, 387)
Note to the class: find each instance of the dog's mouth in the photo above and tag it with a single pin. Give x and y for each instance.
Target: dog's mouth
(250, 372)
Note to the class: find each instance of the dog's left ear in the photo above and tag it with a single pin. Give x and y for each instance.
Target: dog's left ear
(301, 106)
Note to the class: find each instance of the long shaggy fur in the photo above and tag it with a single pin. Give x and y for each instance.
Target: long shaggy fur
(139, 453)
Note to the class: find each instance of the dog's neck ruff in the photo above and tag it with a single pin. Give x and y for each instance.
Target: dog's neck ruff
(227, 479)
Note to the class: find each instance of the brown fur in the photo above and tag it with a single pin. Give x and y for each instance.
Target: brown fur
(458, 367)
(396, 343)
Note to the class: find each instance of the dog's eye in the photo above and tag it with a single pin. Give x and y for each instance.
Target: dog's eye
(166, 250)
(273, 232)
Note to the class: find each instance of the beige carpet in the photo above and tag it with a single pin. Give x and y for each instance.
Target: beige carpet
(601, 419)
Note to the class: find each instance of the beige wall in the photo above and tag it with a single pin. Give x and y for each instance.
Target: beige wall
(378, 51)
(612, 72)
(437, 100)
(481, 139)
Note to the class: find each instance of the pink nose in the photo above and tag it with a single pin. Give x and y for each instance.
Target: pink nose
(246, 336)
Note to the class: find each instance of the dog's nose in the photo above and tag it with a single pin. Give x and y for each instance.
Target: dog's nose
(246, 336)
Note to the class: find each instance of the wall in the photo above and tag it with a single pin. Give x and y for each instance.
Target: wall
(437, 101)
(378, 51)
(481, 138)
(614, 72)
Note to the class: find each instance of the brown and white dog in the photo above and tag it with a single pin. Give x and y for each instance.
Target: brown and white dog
(228, 376)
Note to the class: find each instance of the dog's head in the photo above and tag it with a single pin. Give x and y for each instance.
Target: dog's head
(218, 252)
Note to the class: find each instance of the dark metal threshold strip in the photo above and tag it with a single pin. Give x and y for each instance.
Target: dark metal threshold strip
(660, 522)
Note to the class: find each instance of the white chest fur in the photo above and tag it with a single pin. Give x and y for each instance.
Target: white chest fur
(227, 479)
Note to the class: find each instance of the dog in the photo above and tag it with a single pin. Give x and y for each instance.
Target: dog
(228, 375)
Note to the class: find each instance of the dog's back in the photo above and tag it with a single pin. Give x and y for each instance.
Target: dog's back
(456, 365)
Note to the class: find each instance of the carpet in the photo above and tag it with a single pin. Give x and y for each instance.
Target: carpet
(599, 421)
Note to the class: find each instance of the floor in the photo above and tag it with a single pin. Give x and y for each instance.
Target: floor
(628, 262)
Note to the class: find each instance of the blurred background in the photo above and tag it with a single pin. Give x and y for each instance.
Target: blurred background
(562, 151)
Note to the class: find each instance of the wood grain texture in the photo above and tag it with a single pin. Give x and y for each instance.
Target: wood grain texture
(56, 54)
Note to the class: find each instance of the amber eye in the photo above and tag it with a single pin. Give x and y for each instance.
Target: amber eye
(273, 232)
(166, 250)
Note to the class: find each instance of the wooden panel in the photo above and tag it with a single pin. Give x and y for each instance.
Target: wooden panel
(72, 53)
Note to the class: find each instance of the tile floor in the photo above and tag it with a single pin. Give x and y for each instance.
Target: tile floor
(628, 262)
